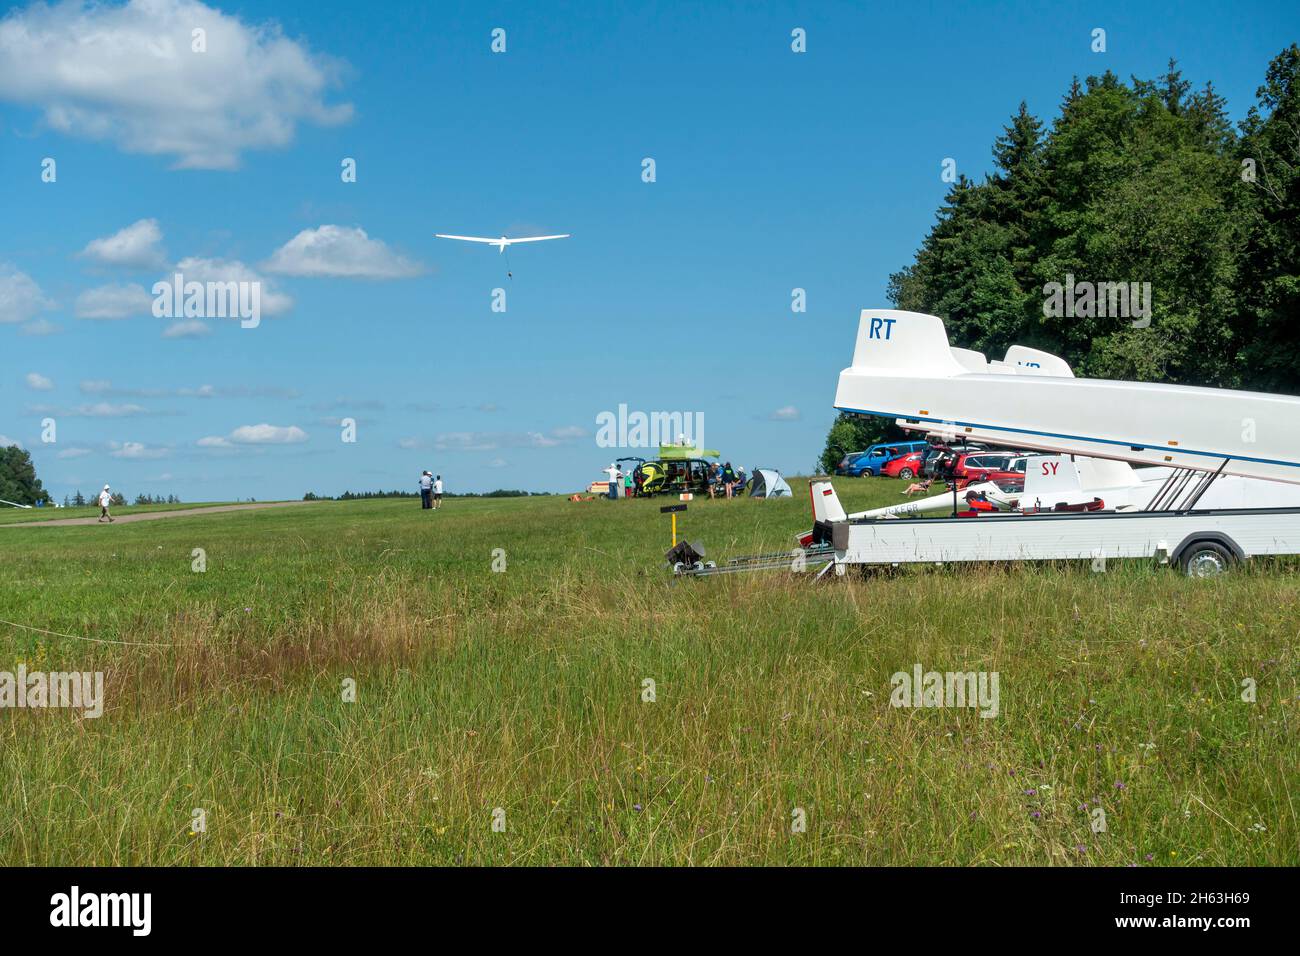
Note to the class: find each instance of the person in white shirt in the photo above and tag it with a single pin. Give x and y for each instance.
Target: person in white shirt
(437, 493)
(105, 499)
(426, 490)
(614, 476)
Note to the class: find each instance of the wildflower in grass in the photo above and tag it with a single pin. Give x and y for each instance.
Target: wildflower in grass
(1031, 792)
(637, 807)
(1036, 815)
(1119, 785)
(1081, 848)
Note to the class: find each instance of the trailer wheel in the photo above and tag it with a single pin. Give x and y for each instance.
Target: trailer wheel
(1206, 559)
(906, 474)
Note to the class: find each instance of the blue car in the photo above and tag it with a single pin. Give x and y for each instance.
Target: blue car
(870, 462)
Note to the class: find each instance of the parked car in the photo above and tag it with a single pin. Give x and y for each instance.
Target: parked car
(674, 476)
(941, 459)
(988, 465)
(874, 459)
(908, 466)
(848, 463)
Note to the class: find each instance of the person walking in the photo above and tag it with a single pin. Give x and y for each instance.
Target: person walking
(627, 485)
(437, 492)
(426, 490)
(105, 499)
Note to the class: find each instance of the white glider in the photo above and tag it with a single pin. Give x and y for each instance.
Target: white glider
(499, 243)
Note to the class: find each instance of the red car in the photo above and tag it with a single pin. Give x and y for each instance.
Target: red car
(979, 466)
(909, 466)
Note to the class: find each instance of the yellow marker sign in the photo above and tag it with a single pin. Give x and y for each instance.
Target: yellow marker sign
(673, 509)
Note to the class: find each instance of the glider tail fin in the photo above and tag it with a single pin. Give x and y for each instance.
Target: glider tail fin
(825, 503)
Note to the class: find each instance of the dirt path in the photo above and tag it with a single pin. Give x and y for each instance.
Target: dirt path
(158, 515)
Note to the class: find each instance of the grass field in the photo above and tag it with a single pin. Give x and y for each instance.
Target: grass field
(523, 690)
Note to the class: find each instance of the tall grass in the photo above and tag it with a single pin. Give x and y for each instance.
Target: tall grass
(523, 691)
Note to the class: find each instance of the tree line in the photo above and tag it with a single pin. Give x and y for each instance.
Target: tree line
(1144, 183)
(355, 495)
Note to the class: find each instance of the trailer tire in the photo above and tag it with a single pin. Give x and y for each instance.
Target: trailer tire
(1206, 559)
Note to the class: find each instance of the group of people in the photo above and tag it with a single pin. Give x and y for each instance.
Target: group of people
(724, 478)
(628, 482)
(430, 491)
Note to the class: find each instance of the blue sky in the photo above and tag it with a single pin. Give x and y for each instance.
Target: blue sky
(774, 171)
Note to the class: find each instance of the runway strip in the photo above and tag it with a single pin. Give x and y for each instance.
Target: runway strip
(157, 515)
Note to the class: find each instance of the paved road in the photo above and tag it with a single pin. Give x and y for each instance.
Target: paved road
(158, 515)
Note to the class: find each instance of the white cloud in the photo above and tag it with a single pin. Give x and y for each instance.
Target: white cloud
(109, 410)
(137, 246)
(569, 433)
(92, 410)
(787, 413)
(135, 450)
(187, 329)
(6, 441)
(256, 435)
(20, 297)
(341, 252)
(129, 74)
(195, 269)
(42, 327)
(38, 382)
(268, 435)
(113, 301)
(74, 453)
(491, 441)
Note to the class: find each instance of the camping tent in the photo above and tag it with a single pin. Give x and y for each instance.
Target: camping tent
(767, 483)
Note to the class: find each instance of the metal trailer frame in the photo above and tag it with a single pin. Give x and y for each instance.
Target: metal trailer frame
(1202, 542)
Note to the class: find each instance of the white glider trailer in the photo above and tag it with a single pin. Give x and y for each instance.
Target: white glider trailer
(1211, 451)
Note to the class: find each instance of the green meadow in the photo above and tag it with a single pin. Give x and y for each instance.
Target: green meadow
(521, 696)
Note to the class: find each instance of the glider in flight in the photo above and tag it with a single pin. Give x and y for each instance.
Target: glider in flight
(502, 242)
